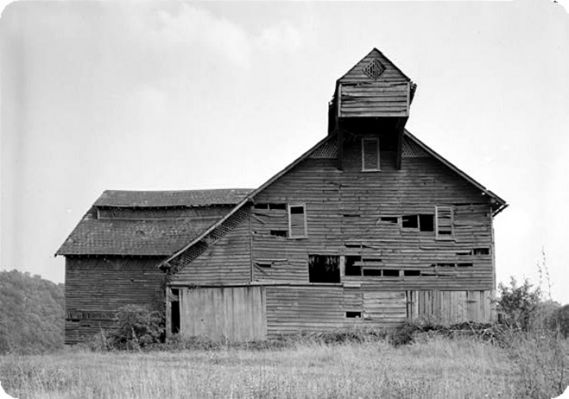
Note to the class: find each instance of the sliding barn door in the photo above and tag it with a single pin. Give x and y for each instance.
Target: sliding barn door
(233, 313)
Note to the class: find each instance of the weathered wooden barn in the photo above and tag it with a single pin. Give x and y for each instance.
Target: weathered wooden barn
(369, 227)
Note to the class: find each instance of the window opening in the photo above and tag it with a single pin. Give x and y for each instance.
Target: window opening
(481, 251)
(426, 223)
(297, 221)
(372, 272)
(444, 220)
(175, 312)
(411, 273)
(279, 233)
(353, 315)
(370, 154)
(323, 269)
(350, 268)
(389, 219)
(465, 264)
(410, 221)
(390, 273)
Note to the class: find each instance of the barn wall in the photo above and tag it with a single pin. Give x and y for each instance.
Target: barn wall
(95, 287)
(344, 210)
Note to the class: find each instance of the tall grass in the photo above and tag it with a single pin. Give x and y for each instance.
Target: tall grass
(431, 368)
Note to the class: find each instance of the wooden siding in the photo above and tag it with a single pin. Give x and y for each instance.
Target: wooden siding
(374, 99)
(293, 309)
(344, 210)
(450, 307)
(95, 287)
(390, 74)
(232, 313)
(224, 262)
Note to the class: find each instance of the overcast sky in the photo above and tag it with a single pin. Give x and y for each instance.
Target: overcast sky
(171, 95)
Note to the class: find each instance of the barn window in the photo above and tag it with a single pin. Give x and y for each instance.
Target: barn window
(389, 219)
(353, 315)
(323, 269)
(351, 268)
(410, 221)
(444, 222)
(481, 251)
(411, 273)
(297, 221)
(278, 233)
(426, 223)
(370, 154)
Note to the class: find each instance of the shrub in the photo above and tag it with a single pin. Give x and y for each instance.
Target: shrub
(559, 321)
(136, 327)
(517, 305)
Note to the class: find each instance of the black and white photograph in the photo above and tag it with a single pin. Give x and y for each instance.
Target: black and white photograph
(284, 199)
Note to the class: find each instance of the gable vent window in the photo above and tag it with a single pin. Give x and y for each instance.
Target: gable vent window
(444, 222)
(370, 154)
(297, 221)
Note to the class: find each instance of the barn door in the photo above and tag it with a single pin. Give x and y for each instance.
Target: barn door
(387, 307)
(233, 313)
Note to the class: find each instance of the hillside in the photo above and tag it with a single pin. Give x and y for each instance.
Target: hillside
(31, 313)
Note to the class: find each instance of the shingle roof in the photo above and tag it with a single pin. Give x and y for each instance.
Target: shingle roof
(186, 198)
(148, 235)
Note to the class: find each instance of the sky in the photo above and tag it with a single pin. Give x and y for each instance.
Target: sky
(188, 95)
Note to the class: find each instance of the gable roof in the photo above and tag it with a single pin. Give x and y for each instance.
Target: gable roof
(391, 73)
(500, 204)
(183, 198)
(141, 234)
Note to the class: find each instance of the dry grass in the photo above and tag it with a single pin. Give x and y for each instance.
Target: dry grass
(433, 368)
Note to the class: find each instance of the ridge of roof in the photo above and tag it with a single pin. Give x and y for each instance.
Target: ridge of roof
(170, 198)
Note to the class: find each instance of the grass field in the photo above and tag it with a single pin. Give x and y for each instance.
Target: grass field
(432, 368)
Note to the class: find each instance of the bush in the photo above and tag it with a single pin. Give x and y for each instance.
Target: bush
(517, 305)
(135, 327)
(559, 321)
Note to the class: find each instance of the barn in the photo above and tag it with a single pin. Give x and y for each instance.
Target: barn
(369, 227)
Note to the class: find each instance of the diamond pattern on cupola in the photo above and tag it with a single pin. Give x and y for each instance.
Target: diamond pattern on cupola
(374, 87)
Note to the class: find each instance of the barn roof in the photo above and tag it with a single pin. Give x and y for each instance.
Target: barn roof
(146, 235)
(185, 198)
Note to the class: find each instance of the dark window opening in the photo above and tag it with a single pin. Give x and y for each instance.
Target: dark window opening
(351, 215)
(390, 273)
(261, 206)
(372, 260)
(279, 233)
(175, 327)
(372, 272)
(411, 273)
(353, 245)
(426, 223)
(410, 221)
(323, 269)
(481, 251)
(464, 253)
(350, 268)
(353, 315)
(264, 264)
(278, 206)
(296, 210)
(389, 219)
(465, 264)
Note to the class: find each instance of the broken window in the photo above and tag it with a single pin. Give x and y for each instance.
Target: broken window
(426, 223)
(410, 221)
(279, 233)
(370, 154)
(481, 251)
(350, 268)
(372, 272)
(297, 221)
(444, 220)
(323, 269)
(465, 264)
(353, 315)
(390, 273)
(411, 273)
(389, 219)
